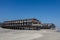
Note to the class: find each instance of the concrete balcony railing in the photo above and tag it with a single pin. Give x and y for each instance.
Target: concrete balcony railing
(36, 24)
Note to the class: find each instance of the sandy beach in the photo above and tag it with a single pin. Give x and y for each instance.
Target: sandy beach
(9, 34)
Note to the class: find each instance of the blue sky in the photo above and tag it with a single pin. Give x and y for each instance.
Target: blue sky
(47, 11)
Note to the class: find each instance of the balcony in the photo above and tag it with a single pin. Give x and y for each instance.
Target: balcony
(36, 24)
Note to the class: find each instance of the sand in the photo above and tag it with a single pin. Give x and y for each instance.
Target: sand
(9, 34)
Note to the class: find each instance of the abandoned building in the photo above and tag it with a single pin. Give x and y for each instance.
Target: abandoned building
(48, 26)
(26, 24)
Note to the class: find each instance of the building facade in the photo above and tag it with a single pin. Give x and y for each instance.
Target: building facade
(48, 26)
(26, 24)
(22, 24)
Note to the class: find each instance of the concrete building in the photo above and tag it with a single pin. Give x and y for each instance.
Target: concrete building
(22, 24)
(48, 26)
(26, 24)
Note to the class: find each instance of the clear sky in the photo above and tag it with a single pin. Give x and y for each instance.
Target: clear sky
(47, 11)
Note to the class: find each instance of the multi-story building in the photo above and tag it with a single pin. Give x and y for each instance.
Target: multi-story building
(22, 24)
(31, 24)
